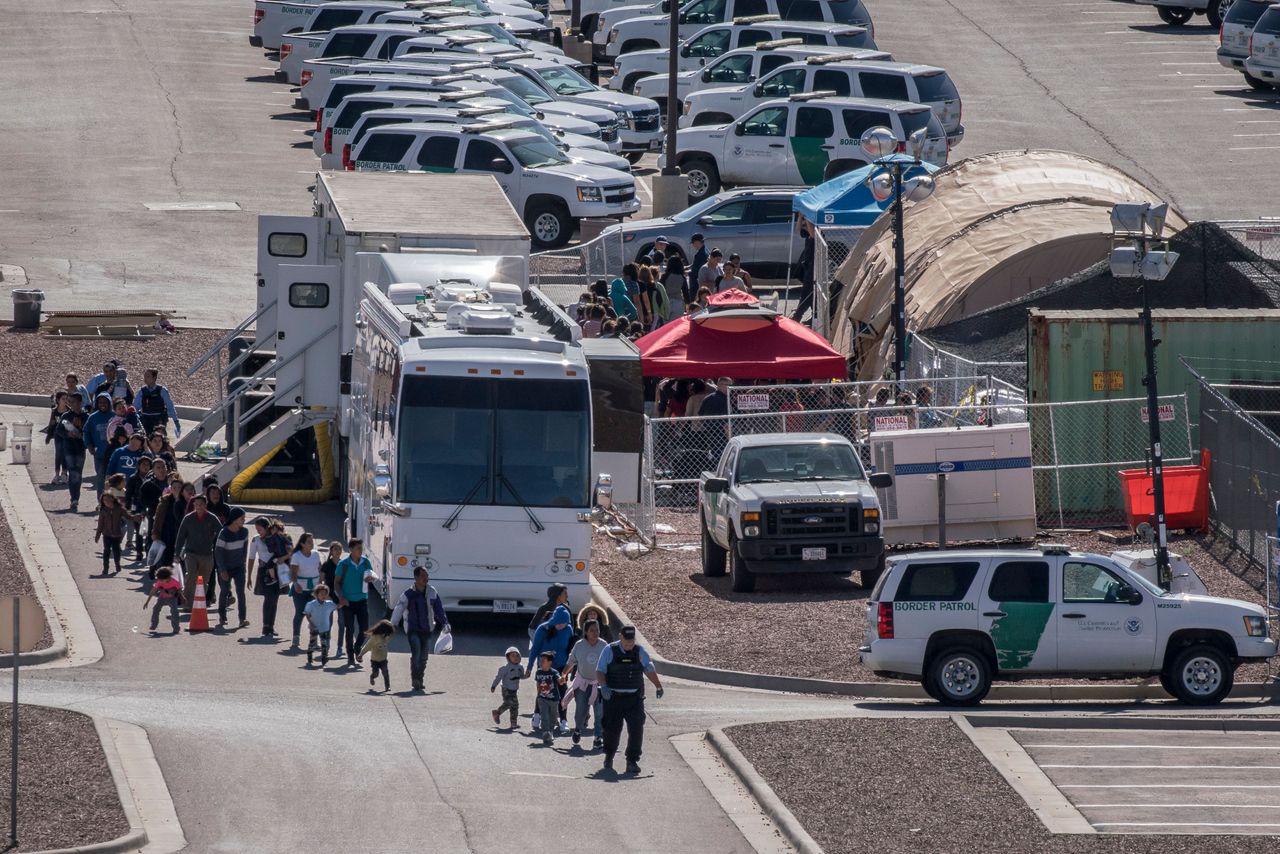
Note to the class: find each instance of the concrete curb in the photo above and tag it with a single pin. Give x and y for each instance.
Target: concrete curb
(11, 398)
(1170, 723)
(769, 801)
(144, 797)
(54, 585)
(900, 690)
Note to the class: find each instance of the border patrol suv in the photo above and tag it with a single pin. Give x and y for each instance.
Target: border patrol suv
(550, 192)
(806, 139)
(744, 65)
(957, 619)
(791, 502)
(892, 81)
(714, 41)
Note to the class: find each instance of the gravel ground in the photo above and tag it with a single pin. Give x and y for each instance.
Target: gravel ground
(700, 620)
(872, 799)
(66, 797)
(13, 572)
(35, 364)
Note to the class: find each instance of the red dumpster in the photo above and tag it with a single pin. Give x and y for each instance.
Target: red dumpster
(1186, 495)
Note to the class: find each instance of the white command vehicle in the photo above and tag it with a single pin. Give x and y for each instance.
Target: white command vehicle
(473, 441)
(889, 81)
(958, 619)
(551, 192)
(805, 139)
(494, 115)
(623, 31)
(1264, 48)
(639, 122)
(340, 128)
(745, 65)
(790, 502)
(391, 454)
(714, 41)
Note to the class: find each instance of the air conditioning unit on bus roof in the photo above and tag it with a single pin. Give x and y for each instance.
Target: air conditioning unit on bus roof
(480, 319)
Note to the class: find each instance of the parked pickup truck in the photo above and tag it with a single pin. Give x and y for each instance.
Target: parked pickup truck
(791, 502)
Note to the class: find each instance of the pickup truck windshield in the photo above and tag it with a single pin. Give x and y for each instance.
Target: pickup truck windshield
(565, 81)
(799, 462)
(455, 433)
(536, 153)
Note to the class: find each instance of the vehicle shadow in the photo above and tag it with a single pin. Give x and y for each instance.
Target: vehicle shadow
(786, 588)
(1252, 97)
(261, 78)
(1198, 26)
(298, 116)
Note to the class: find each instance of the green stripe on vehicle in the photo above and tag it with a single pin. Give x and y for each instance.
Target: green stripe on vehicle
(1017, 635)
(811, 158)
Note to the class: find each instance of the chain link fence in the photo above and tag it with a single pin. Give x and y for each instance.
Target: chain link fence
(928, 361)
(564, 274)
(1078, 448)
(831, 248)
(1238, 423)
(978, 391)
(1271, 588)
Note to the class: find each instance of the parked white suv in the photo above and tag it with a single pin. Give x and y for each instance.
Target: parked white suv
(1264, 48)
(1233, 39)
(957, 619)
(717, 39)
(890, 81)
(550, 192)
(745, 65)
(804, 139)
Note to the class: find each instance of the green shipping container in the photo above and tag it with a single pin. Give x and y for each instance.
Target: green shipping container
(1098, 356)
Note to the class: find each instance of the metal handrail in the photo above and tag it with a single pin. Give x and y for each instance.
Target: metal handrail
(226, 339)
(264, 373)
(239, 360)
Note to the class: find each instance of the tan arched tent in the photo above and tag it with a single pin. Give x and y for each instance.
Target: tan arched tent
(998, 226)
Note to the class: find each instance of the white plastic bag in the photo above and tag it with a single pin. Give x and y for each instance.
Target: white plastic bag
(155, 553)
(444, 643)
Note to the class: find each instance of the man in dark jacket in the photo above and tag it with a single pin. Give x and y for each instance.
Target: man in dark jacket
(197, 538)
(699, 258)
(71, 429)
(423, 612)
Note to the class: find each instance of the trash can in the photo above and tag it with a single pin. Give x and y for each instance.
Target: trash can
(22, 430)
(4, 436)
(26, 308)
(21, 449)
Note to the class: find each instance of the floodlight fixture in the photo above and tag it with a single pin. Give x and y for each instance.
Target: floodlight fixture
(878, 142)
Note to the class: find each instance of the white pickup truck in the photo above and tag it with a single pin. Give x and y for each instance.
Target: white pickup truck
(957, 619)
(791, 502)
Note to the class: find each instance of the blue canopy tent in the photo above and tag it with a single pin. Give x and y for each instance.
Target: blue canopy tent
(846, 201)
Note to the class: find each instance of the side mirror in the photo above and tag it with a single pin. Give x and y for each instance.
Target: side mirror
(499, 164)
(702, 61)
(684, 51)
(758, 91)
(706, 76)
(1128, 595)
(382, 481)
(738, 129)
(715, 485)
(704, 221)
(881, 480)
(604, 491)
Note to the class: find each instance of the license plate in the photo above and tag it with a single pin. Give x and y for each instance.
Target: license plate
(504, 606)
(655, 145)
(813, 554)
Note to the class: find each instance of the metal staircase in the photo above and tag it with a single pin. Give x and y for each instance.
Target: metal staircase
(266, 441)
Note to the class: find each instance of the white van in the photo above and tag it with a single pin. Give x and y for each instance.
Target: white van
(890, 81)
(805, 139)
(549, 191)
(717, 39)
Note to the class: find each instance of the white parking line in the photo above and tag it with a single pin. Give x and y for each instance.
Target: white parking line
(1178, 767)
(1159, 746)
(1201, 73)
(1257, 148)
(1182, 824)
(536, 774)
(1258, 122)
(1239, 135)
(1168, 786)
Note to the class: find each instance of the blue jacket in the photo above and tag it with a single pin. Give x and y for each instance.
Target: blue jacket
(559, 643)
(123, 460)
(95, 428)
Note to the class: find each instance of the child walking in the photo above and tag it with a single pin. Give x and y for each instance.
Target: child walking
(319, 614)
(168, 593)
(111, 516)
(509, 676)
(377, 639)
(548, 681)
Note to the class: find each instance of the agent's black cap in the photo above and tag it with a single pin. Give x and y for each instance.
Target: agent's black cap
(698, 236)
(629, 632)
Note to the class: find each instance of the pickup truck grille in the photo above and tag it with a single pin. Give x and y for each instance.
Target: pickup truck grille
(608, 134)
(645, 122)
(811, 520)
(619, 193)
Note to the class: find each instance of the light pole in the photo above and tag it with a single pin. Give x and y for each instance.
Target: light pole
(1135, 227)
(894, 157)
(670, 188)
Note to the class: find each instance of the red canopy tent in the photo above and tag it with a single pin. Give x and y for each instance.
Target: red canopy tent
(737, 337)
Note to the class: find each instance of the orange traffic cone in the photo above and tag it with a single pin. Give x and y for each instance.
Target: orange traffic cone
(199, 621)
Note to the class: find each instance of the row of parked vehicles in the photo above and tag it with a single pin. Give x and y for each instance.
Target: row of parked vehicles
(1248, 34)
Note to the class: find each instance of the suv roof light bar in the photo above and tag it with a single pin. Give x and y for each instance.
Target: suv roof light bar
(756, 19)
(811, 96)
(777, 43)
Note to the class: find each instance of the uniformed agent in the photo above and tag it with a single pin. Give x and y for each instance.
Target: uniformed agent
(620, 673)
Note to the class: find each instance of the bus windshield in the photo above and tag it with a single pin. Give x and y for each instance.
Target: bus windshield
(510, 442)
